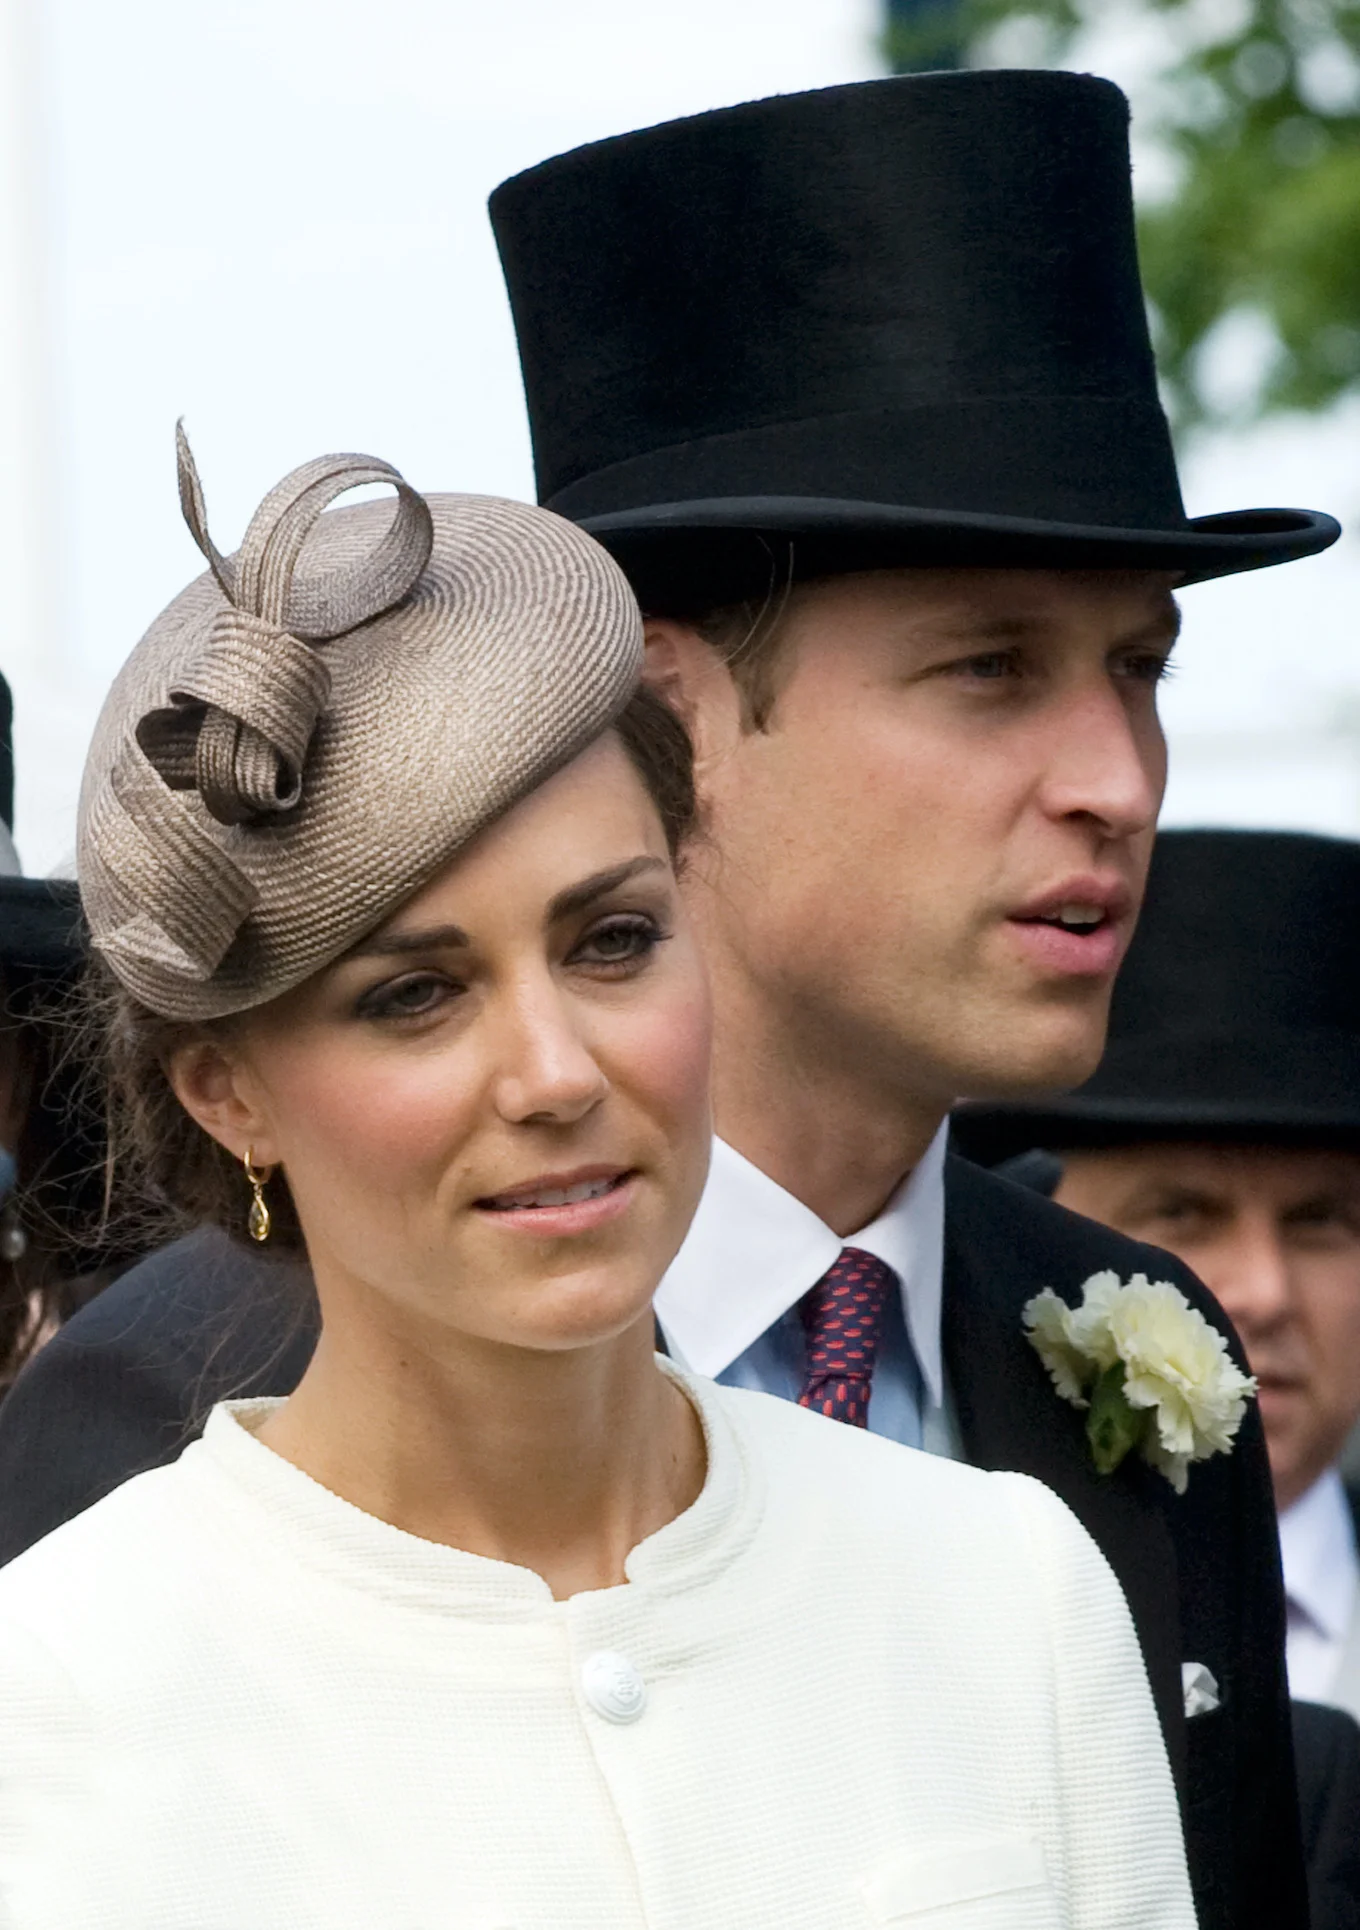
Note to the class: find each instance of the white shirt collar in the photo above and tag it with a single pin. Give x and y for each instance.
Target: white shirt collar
(1317, 1548)
(754, 1250)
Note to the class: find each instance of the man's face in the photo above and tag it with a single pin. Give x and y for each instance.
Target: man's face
(930, 859)
(1275, 1235)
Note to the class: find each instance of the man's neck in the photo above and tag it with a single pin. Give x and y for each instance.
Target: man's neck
(808, 1116)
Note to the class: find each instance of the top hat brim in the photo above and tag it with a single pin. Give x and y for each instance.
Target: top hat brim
(895, 323)
(41, 926)
(1266, 1087)
(688, 555)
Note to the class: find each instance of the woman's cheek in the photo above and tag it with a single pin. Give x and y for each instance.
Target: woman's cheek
(664, 1059)
(373, 1115)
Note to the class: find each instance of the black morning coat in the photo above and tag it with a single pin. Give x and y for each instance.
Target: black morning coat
(1327, 1751)
(130, 1378)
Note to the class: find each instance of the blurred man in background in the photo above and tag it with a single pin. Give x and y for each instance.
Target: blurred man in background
(1224, 1125)
(54, 1256)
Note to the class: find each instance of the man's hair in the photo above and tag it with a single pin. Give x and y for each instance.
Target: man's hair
(748, 637)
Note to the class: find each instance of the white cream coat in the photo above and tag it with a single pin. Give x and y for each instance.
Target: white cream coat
(881, 1689)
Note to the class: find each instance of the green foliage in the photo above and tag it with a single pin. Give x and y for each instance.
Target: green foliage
(1112, 1427)
(1255, 107)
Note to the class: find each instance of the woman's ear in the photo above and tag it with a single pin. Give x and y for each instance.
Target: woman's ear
(215, 1087)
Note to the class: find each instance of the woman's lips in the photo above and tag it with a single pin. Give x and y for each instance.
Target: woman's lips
(556, 1209)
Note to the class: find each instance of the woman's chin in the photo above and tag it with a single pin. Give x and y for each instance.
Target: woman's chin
(574, 1315)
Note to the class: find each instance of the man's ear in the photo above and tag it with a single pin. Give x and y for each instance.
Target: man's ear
(214, 1085)
(687, 672)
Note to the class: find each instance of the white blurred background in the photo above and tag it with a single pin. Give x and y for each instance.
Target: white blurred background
(269, 216)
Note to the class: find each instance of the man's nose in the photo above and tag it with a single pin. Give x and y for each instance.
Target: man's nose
(1251, 1280)
(1107, 765)
(546, 1068)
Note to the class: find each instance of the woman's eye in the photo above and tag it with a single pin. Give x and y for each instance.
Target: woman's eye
(619, 941)
(411, 997)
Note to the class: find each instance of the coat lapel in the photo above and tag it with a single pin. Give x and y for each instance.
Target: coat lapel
(1010, 1416)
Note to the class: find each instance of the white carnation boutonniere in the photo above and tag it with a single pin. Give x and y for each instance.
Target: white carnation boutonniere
(1147, 1368)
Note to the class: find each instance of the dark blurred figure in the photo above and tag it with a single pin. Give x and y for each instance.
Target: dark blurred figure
(129, 1384)
(52, 1256)
(50, 1181)
(1327, 1757)
(1223, 1124)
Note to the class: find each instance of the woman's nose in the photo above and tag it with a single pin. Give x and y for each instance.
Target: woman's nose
(547, 1072)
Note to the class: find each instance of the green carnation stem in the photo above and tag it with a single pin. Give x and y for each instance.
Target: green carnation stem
(1112, 1426)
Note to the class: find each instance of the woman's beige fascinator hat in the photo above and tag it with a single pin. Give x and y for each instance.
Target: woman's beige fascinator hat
(315, 727)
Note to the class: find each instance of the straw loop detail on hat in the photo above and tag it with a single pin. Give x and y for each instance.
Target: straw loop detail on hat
(138, 828)
(260, 577)
(242, 714)
(261, 691)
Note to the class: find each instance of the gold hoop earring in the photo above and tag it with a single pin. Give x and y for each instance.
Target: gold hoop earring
(257, 1220)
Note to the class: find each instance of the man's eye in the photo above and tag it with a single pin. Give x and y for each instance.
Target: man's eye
(1324, 1220)
(619, 942)
(411, 997)
(1146, 667)
(990, 667)
(1179, 1212)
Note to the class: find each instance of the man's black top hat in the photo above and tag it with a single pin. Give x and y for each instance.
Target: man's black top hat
(897, 322)
(1236, 1014)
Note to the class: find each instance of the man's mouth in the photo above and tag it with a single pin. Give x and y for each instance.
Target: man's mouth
(1277, 1385)
(1076, 930)
(1074, 918)
(1078, 904)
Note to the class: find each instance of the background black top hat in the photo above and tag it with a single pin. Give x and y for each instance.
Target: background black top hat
(1236, 1013)
(40, 921)
(897, 321)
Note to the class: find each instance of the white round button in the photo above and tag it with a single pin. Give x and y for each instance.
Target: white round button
(613, 1687)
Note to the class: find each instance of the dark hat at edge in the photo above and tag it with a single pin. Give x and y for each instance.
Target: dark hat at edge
(1236, 1014)
(40, 920)
(894, 322)
(41, 925)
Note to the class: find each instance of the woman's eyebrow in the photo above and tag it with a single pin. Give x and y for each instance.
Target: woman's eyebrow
(578, 897)
(395, 944)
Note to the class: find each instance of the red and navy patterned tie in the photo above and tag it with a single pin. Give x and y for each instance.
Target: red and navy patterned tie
(843, 1318)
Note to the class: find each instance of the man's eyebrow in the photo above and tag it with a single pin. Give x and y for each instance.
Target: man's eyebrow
(1155, 1195)
(599, 885)
(1013, 629)
(1329, 1195)
(1163, 624)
